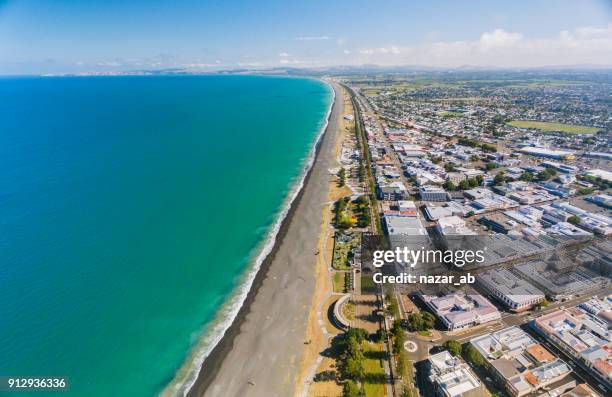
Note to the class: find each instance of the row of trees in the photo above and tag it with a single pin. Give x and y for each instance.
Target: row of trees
(351, 363)
(485, 147)
(465, 184)
(362, 210)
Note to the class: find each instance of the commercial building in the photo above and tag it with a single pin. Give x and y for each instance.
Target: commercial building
(558, 284)
(583, 336)
(404, 225)
(432, 193)
(453, 225)
(391, 193)
(518, 295)
(548, 153)
(518, 362)
(452, 377)
(458, 311)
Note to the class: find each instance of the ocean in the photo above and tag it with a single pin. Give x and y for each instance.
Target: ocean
(132, 210)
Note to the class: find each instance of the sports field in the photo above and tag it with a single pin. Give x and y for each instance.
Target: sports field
(556, 127)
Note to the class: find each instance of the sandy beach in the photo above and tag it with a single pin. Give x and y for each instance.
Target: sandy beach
(261, 352)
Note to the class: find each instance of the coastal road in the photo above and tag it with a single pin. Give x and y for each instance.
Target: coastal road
(260, 354)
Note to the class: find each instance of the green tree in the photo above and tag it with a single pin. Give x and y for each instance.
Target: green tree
(479, 179)
(354, 368)
(341, 177)
(472, 355)
(473, 182)
(449, 167)
(359, 334)
(453, 347)
(449, 185)
(499, 179)
(415, 322)
(352, 389)
(474, 158)
(491, 165)
(464, 185)
(429, 320)
(574, 220)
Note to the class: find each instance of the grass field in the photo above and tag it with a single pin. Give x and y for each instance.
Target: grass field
(338, 281)
(556, 127)
(374, 383)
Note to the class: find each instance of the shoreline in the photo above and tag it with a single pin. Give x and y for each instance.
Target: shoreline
(212, 363)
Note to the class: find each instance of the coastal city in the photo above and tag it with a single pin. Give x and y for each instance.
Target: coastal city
(516, 164)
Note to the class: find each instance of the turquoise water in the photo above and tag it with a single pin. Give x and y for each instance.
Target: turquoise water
(129, 210)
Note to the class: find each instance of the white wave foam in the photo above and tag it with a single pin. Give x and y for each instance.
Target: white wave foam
(188, 374)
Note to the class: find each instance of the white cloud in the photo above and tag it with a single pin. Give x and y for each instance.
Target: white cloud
(380, 50)
(283, 55)
(285, 61)
(585, 45)
(346, 52)
(340, 41)
(499, 38)
(311, 38)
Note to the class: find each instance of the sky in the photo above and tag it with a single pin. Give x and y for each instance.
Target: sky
(61, 36)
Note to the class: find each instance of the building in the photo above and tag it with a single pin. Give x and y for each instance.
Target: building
(597, 173)
(560, 283)
(391, 193)
(583, 336)
(518, 362)
(548, 153)
(404, 225)
(452, 377)
(582, 390)
(453, 225)
(432, 193)
(518, 295)
(458, 311)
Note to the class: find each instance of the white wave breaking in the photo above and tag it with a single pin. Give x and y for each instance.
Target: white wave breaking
(189, 372)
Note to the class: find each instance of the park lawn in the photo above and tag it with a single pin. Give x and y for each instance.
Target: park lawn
(424, 333)
(338, 281)
(367, 284)
(374, 383)
(556, 127)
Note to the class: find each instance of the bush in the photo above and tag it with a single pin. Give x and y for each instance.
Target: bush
(574, 220)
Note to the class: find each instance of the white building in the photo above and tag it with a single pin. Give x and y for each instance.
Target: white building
(451, 376)
(516, 294)
(458, 311)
